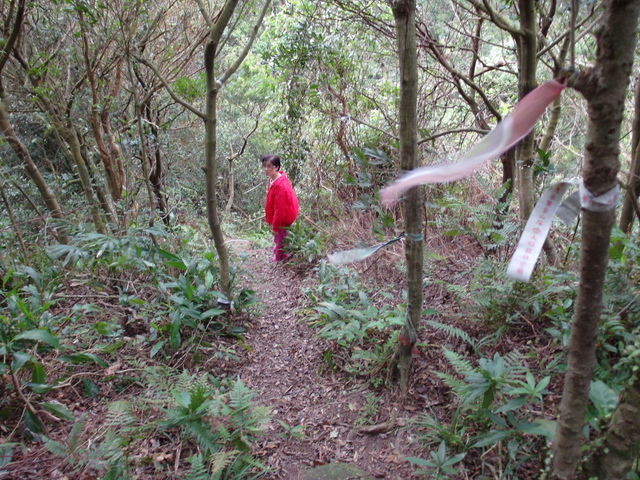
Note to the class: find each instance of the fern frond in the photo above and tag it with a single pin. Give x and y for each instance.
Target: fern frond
(454, 332)
(183, 382)
(460, 363)
(455, 384)
(203, 434)
(514, 360)
(198, 470)
(76, 432)
(220, 461)
(57, 448)
(240, 396)
(120, 413)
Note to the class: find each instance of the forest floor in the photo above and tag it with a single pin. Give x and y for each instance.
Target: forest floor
(286, 366)
(319, 416)
(345, 418)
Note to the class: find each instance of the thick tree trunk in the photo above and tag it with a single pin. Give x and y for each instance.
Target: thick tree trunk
(604, 87)
(404, 14)
(615, 457)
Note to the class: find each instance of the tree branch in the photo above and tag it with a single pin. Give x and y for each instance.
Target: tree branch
(166, 85)
(254, 33)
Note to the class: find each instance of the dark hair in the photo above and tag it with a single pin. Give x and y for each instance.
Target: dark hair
(272, 159)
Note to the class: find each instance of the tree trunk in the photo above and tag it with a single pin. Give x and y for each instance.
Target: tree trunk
(615, 457)
(32, 170)
(527, 57)
(73, 143)
(404, 12)
(211, 170)
(604, 88)
(630, 205)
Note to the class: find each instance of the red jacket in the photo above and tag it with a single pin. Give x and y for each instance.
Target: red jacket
(281, 207)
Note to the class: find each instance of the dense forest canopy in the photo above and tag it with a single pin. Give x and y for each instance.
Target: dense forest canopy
(131, 192)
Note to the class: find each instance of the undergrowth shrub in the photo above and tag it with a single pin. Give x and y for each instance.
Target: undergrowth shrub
(212, 422)
(304, 243)
(29, 331)
(455, 216)
(187, 283)
(500, 404)
(360, 323)
(501, 397)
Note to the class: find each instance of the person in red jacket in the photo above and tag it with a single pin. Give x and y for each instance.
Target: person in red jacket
(281, 206)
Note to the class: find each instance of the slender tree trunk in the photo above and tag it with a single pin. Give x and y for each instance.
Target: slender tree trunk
(630, 205)
(404, 12)
(156, 172)
(138, 109)
(210, 118)
(97, 115)
(604, 88)
(73, 142)
(14, 224)
(527, 56)
(211, 171)
(32, 170)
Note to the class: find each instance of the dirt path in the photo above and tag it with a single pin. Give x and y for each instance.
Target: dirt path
(286, 366)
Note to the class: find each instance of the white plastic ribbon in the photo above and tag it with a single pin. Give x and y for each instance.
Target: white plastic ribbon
(537, 228)
(359, 254)
(507, 133)
(535, 231)
(604, 202)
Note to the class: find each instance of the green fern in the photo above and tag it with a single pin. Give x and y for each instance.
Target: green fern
(454, 383)
(73, 441)
(71, 449)
(461, 364)
(455, 332)
(220, 461)
(198, 470)
(120, 413)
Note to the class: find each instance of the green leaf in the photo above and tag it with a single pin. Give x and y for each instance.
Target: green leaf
(603, 397)
(84, 358)
(541, 426)
(19, 359)
(39, 336)
(491, 438)
(58, 410)
(90, 388)
(420, 461)
(183, 398)
(174, 333)
(32, 422)
(214, 312)
(6, 453)
(512, 404)
(156, 348)
(37, 373)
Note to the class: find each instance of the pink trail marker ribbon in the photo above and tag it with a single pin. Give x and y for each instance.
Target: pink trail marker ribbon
(505, 135)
